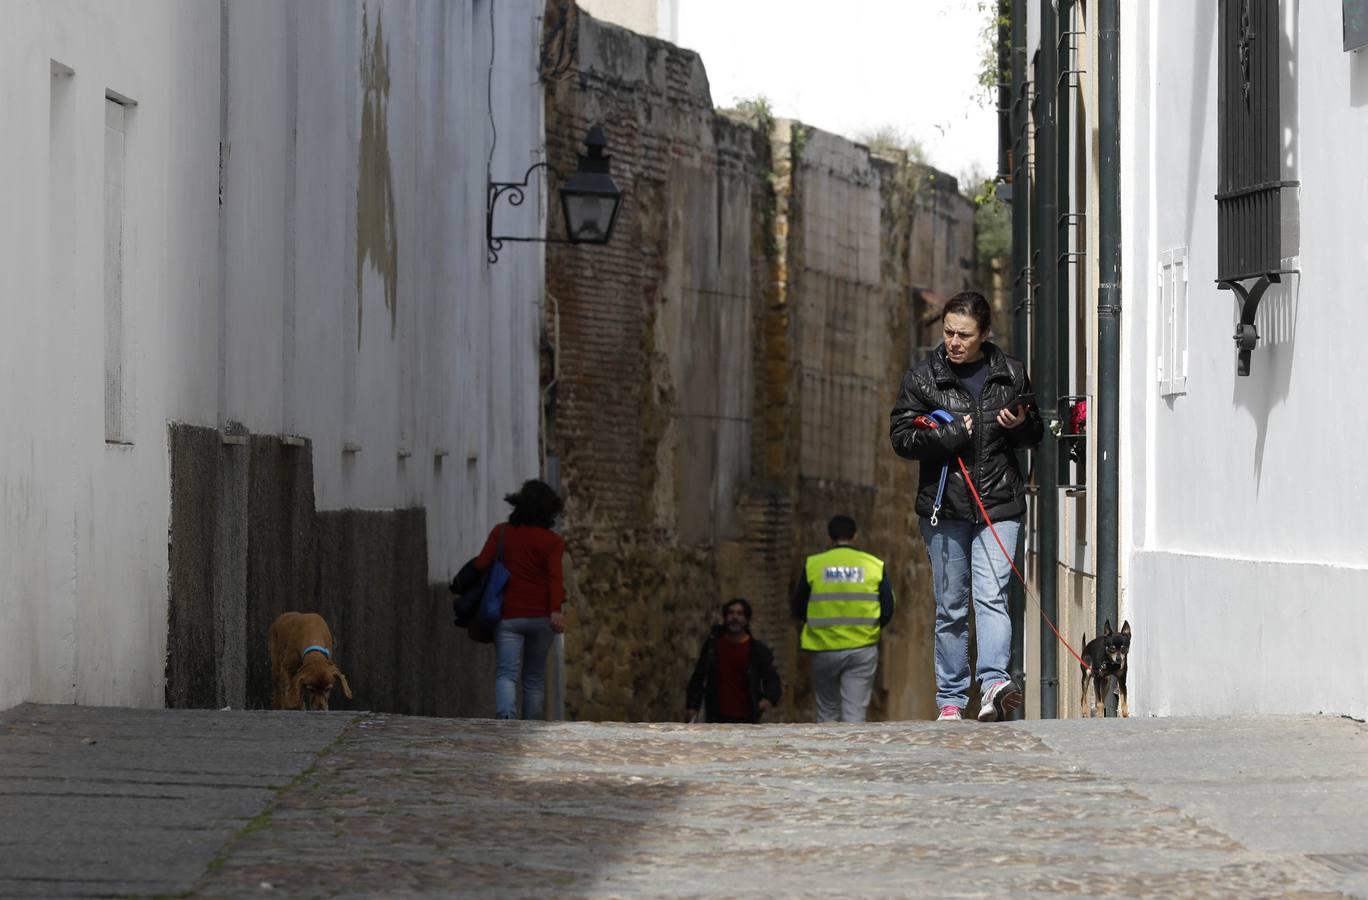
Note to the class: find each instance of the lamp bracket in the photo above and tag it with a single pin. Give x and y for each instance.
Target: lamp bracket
(517, 193)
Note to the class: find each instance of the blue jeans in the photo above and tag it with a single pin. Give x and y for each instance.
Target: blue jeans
(521, 644)
(963, 553)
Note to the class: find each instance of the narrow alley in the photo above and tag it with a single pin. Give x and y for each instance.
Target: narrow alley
(898, 383)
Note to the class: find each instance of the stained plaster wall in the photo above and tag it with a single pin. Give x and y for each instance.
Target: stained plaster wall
(360, 310)
(303, 255)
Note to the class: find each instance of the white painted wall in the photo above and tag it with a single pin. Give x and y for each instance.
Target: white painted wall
(246, 311)
(1246, 576)
(83, 523)
(657, 18)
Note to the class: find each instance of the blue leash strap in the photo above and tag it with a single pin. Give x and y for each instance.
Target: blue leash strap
(943, 416)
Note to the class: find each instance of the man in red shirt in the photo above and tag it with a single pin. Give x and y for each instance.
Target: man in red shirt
(734, 679)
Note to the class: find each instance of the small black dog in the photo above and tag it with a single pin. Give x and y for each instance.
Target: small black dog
(1106, 657)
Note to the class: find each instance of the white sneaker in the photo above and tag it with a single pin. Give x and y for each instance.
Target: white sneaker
(949, 714)
(998, 701)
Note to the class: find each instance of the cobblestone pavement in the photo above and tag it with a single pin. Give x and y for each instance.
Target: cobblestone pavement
(395, 806)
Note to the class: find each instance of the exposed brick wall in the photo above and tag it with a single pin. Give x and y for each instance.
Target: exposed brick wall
(647, 423)
(727, 363)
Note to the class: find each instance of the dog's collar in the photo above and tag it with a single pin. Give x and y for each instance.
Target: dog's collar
(311, 648)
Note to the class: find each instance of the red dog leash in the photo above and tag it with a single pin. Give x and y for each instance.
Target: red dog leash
(969, 481)
(930, 422)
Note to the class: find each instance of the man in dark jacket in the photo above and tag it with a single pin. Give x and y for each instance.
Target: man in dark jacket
(734, 679)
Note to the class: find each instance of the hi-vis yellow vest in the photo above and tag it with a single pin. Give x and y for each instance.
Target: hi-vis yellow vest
(843, 610)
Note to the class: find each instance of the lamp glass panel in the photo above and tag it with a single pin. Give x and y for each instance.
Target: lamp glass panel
(589, 217)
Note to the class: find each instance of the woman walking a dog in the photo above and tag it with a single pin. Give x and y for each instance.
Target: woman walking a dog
(532, 600)
(992, 414)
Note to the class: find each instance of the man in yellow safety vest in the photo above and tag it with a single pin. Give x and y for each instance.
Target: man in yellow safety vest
(844, 601)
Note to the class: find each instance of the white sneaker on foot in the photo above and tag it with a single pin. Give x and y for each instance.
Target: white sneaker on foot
(949, 714)
(998, 701)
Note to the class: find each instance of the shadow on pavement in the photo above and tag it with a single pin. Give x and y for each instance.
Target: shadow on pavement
(101, 802)
(437, 806)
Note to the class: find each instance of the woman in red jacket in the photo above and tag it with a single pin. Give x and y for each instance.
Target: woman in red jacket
(532, 599)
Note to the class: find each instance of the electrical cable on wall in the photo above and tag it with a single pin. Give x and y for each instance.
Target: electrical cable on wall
(489, 97)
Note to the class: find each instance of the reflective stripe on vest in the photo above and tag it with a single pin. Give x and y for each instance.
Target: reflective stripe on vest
(843, 608)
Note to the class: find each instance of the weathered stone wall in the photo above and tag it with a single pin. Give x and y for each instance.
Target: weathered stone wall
(924, 236)
(726, 366)
(877, 234)
(248, 508)
(917, 200)
(842, 328)
(651, 424)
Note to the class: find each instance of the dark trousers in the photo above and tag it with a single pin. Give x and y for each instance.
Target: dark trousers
(728, 720)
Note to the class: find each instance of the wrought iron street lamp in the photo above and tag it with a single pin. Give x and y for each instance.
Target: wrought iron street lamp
(589, 200)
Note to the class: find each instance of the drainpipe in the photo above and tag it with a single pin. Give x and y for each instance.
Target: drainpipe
(1019, 161)
(1066, 222)
(1108, 318)
(1065, 225)
(1045, 357)
(1004, 90)
(550, 473)
(1019, 97)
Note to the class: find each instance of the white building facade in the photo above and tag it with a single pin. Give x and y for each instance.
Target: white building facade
(260, 218)
(1242, 570)
(1246, 574)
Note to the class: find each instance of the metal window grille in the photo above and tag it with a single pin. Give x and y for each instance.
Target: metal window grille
(1249, 209)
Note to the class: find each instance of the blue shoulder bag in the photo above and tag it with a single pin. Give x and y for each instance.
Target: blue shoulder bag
(491, 596)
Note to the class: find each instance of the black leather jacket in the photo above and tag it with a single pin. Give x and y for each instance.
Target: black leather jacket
(988, 452)
(762, 678)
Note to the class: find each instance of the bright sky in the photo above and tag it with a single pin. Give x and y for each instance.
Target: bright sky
(854, 66)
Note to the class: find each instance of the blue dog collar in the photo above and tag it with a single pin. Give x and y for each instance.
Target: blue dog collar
(312, 648)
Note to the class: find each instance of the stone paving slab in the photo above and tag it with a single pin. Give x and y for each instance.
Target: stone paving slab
(108, 802)
(298, 805)
(1284, 783)
(1294, 785)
